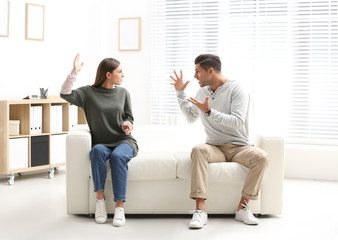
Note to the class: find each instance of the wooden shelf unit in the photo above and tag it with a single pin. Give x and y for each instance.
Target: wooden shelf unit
(21, 110)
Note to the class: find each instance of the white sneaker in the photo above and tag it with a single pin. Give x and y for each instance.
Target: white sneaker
(119, 218)
(199, 219)
(100, 212)
(245, 215)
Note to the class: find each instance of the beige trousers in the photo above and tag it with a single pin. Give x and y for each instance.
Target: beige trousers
(252, 157)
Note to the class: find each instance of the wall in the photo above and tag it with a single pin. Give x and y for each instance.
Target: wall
(86, 27)
(27, 65)
(135, 64)
(311, 162)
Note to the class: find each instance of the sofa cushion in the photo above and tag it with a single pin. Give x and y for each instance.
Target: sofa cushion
(150, 166)
(218, 172)
(155, 165)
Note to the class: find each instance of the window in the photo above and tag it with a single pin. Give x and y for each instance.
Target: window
(284, 51)
(255, 53)
(182, 29)
(313, 116)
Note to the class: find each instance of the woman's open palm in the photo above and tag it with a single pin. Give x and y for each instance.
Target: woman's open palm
(77, 66)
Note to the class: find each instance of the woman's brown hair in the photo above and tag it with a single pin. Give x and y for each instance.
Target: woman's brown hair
(106, 65)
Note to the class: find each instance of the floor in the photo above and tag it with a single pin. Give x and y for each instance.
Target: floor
(35, 208)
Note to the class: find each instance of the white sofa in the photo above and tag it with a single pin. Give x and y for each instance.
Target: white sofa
(159, 176)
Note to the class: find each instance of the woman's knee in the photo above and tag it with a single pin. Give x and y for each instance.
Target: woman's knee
(96, 151)
(122, 153)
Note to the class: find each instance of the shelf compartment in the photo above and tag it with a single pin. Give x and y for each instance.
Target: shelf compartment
(59, 118)
(20, 112)
(39, 151)
(39, 118)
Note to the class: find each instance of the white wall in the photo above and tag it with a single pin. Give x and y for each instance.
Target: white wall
(311, 162)
(27, 65)
(135, 64)
(86, 27)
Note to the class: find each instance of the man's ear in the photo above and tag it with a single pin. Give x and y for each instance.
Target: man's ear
(211, 70)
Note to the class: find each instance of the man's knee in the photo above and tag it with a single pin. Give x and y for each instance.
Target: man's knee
(199, 151)
(263, 158)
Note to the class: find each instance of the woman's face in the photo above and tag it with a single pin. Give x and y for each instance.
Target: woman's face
(117, 76)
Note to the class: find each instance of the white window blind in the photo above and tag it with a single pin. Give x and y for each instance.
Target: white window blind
(255, 53)
(284, 51)
(313, 114)
(290, 52)
(181, 30)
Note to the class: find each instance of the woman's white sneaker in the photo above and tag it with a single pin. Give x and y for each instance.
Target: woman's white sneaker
(100, 211)
(119, 218)
(199, 219)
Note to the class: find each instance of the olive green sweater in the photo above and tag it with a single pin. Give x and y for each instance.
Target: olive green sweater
(105, 110)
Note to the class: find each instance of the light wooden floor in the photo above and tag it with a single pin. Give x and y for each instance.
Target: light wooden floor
(35, 208)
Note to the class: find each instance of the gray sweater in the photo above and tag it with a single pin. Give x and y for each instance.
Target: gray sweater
(229, 106)
(105, 110)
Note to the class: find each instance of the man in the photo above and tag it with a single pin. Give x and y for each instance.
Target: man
(222, 106)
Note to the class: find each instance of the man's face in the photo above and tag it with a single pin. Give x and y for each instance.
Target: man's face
(202, 76)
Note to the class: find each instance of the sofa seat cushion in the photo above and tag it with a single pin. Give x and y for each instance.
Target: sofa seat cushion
(218, 172)
(150, 166)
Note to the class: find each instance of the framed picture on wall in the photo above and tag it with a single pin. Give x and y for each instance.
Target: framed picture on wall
(35, 22)
(130, 34)
(4, 18)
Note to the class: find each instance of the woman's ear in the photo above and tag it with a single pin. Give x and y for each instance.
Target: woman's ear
(108, 75)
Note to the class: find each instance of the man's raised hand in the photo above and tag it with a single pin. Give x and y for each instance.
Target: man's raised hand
(178, 81)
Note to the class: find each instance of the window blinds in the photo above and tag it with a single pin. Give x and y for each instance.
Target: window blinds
(286, 50)
(181, 30)
(290, 47)
(255, 53)
(313, 116)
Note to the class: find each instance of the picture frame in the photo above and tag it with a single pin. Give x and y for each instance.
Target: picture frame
(4, 18)
(35, 22)
(130, 34)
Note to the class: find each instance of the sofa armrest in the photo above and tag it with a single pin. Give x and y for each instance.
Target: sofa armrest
(272, 185)
(78, 146)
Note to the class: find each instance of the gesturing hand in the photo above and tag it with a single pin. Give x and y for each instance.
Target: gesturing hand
(203, 106)
(178, 81)
(76, 65)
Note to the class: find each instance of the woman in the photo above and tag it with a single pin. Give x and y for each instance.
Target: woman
(110, 120)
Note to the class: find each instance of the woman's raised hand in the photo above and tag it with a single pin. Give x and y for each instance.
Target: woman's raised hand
(77, 66)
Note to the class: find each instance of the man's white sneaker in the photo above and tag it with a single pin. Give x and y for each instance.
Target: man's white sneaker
(199, 219)
(119, 218)
(100, 212)
(245, 215)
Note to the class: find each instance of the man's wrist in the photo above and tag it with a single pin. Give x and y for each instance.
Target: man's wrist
(208, 113)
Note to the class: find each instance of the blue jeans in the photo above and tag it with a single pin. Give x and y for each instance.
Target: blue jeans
(118, 159)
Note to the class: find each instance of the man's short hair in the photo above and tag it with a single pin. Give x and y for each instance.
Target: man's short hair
(207, 61)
